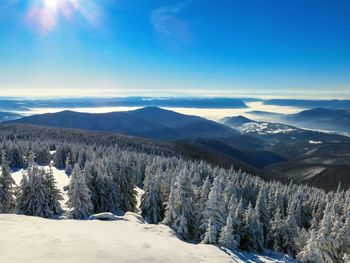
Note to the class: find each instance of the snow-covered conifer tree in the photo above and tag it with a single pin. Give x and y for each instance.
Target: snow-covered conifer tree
(125, 186)
(291, 231)
(252, 238)
(227, 238)
(79, 200)
(215, 209)
(32, 196)
(152, 200)
(276, 232)
(39, 202)
(183, 206)
(309, 253)
(262, 208)
(325, 242)
(204, 194)
(22, 194)
(54, 195)
(343, 237)
(7, 201)
(321, 247)
(211, 235)
(169, 216)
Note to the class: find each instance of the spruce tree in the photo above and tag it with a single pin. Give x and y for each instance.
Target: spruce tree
(124, 185)
(227, 238)
(343, 236)
(276, 233)
(169, 215)
(152, 201)
(252, 238)
(214, 210)
(7, 201)
(54, 195)
(291, 231)
(32, 195)
(79, 200)
(211, 235)
(325, 242)
(183, 223)
(262, 208)
(39, 202)
(309, 253)
(22, 194)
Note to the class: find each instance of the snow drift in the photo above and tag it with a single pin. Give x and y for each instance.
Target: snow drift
(38, 240)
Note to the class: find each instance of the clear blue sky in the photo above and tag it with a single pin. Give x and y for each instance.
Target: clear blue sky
(290, 48)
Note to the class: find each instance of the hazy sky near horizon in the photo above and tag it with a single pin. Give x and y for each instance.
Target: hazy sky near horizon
(271, 48)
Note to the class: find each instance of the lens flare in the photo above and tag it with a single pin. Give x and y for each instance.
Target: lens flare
(51, 5)
(44, 15)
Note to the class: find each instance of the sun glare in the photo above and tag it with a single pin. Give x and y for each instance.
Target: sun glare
(44, 14)
(51, 5)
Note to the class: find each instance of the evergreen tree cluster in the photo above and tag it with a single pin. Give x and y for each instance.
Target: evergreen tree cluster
(37, 194)
(200, 202)
(236, 210)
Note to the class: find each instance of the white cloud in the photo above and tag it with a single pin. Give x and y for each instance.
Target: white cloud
(166, 22)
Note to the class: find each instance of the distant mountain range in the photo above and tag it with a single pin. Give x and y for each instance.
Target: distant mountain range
(336, 120)
(149, 122)
(331, 104)
(171, 102)
(321, 119)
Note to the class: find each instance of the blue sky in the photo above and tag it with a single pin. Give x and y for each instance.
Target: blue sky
(273, 48)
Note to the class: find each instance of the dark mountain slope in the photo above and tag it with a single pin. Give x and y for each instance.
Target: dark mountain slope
(321, 119)
(151, 122)
(289, 153)
(235, 121)
(252, 159)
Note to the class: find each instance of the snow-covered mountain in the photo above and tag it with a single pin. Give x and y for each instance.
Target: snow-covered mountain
(247, 126)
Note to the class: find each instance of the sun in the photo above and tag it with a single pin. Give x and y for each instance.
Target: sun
(45, 15)
(51, 5)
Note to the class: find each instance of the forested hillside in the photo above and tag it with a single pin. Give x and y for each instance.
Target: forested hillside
(202, 203)
(273, 150)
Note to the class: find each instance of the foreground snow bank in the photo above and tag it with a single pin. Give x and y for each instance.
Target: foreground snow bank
(38, 240)
(32, 239)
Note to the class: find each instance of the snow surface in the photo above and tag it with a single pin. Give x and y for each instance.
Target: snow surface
(140, 193)
(128, 239)
(265, 128)
(315, 142)
(33, 239)
(38, 240)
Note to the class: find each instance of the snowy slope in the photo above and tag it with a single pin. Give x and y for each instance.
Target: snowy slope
(37, 240)
(32, 239)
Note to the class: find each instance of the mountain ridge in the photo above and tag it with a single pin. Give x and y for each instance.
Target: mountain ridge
(149, 122)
